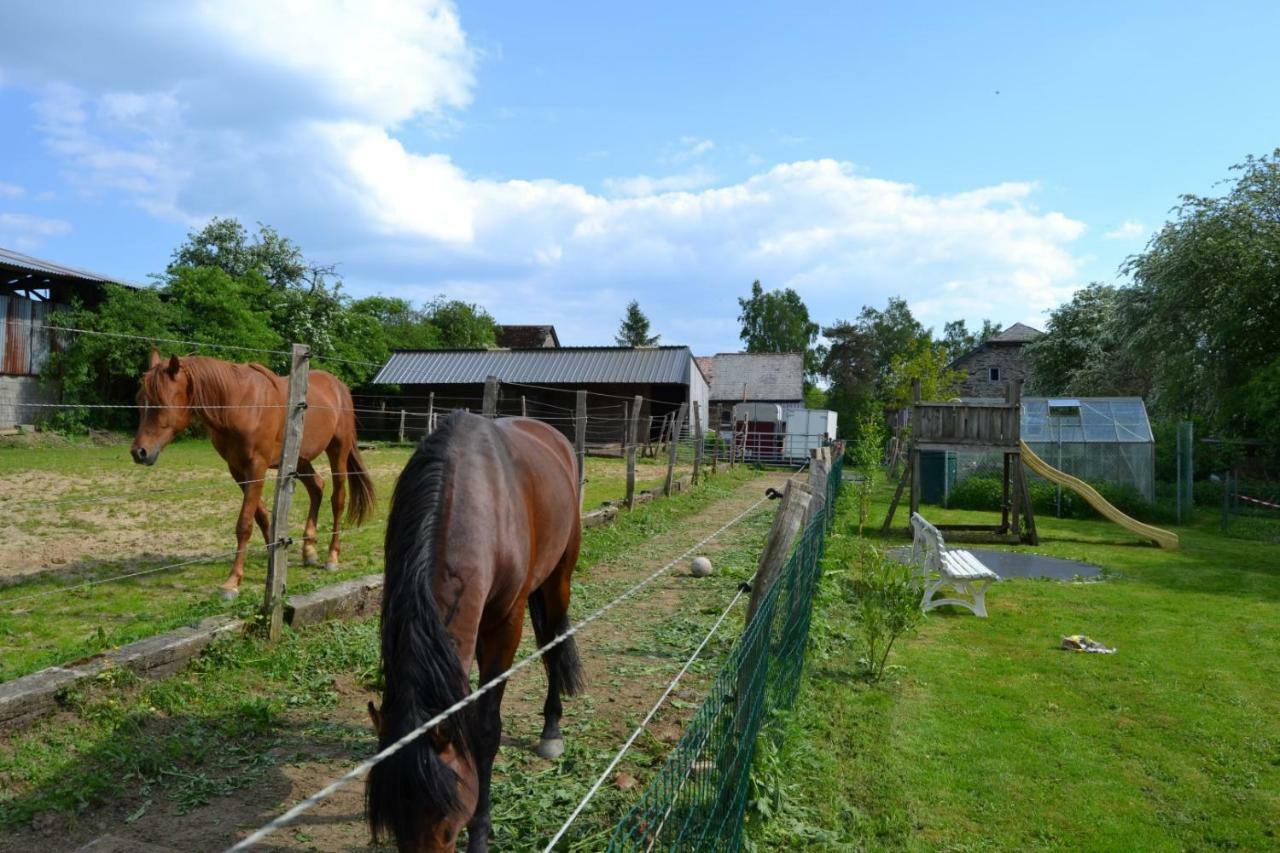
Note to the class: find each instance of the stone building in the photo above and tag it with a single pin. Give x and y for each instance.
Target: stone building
(992, 364)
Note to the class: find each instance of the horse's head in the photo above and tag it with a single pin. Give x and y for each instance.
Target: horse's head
(451, 793)
(164, 407)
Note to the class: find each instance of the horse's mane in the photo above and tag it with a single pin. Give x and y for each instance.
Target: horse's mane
(420, 665)
(215, 384)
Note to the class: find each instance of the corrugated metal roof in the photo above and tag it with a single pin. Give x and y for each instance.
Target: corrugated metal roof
(757, 376)
(552, 366)
(16, 261)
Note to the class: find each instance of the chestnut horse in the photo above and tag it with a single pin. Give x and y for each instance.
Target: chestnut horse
(243, 407)
(484, 521)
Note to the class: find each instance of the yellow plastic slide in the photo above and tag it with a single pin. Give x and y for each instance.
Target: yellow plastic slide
(1163, 538)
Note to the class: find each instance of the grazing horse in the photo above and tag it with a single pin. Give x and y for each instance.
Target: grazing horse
(243, 407)
(484, 521)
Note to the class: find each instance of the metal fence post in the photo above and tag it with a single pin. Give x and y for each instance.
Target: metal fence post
(277, 553)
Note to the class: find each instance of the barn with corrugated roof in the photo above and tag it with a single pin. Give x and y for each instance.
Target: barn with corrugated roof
(31, 290)
(539, 381)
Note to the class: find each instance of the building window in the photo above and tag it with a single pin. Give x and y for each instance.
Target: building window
(993, 373)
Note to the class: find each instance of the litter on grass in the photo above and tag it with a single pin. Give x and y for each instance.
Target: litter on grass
(1081, 643)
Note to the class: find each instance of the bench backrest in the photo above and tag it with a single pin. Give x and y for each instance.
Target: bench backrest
(926, 544)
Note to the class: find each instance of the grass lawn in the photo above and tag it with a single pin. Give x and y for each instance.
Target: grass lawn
(75, 514)
(986, 736)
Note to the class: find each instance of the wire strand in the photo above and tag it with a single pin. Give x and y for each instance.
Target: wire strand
(364, 766)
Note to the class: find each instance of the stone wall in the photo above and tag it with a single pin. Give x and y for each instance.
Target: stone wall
(15, 391)
(976, 366)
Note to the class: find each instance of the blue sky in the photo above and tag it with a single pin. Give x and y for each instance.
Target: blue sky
(553, 161)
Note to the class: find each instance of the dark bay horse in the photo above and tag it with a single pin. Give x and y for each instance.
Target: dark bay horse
(484, 521)
(243, 407)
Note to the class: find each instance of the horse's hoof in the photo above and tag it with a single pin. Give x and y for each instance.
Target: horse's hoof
(228, 594)
(331, 566)
(310, 561)
(551, 748)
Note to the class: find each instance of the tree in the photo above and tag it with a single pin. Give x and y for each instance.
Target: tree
(958, 340)
(1205, 305)
(225, 244)
(861, 359)
(461, 325)
(1085, 351)
(634, 330)
(778, 321)
(403, 326)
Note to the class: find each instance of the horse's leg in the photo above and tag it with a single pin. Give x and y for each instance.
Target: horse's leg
(314, 484)
(494, 655)
(249, 507)
(549, 612)
(338, 465)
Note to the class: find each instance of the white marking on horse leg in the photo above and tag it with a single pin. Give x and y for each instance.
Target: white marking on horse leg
(551, 748)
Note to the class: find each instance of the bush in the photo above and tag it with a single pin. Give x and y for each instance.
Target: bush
(885, 596)
(984, 493)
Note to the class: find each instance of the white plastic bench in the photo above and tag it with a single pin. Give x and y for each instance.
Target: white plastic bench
(953, 568)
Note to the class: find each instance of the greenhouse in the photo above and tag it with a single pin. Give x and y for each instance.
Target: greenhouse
(1098, 439)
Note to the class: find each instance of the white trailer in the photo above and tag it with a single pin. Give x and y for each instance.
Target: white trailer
(807, 429)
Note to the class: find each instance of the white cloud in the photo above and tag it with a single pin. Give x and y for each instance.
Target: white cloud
(11, 190)
(1130, 229)
(291, 114)
(26, 232)
(642, 185)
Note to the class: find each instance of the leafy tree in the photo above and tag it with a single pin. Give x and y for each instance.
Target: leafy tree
(861, 358)
(1085, 349)
(958, 340)
(461, 325)
(226, 244)
(105, 368)
(778, 321)
(211, 307)
(634, 330)
(927, 364)
(403, 326)
(1205, 304)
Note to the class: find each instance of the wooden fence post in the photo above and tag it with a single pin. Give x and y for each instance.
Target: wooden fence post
(631, 451)
(580, 445)
(673, 445)
(524, 407)
(698, 442)
(819, 472)
(431, 412)
(402, 426)
(714, 423)
(787, 524)
(626, 427)
(490, 405)
(648, 436)
(277, 553)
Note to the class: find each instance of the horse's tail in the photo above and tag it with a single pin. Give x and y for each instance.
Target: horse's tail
(563, 658)
(360, 482)
(421, 669)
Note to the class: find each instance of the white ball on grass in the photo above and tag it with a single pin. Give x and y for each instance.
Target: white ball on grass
(700, 567)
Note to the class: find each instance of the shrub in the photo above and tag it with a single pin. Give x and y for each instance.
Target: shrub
(984, 493)
(885, 597)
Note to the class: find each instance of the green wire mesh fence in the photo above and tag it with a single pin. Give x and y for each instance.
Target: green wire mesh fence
(698, 799)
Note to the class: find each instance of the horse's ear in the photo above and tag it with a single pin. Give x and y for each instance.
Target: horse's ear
(375, 717)
(155, 359)
(174, 365)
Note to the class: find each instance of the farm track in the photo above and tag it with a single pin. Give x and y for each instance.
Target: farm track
(629, 657)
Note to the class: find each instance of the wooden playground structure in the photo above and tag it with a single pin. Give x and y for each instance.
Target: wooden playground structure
(975, 426)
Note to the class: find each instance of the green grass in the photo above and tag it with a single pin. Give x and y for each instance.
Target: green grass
(245, 706)
(989, 737)
(183, 508)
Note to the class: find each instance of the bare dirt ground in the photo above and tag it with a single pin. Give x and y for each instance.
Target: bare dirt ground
(625, 675)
